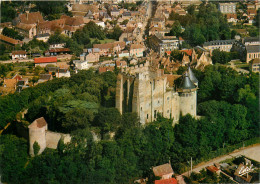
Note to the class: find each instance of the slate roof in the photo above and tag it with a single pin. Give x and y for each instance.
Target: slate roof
(192, 76)
(253, 48)
(251, 39)
(186, 83)
(219, 42)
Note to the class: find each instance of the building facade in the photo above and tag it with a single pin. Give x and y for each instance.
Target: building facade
(147, 91)
(227, 7)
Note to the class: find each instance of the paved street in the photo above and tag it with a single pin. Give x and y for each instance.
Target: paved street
(252, 152)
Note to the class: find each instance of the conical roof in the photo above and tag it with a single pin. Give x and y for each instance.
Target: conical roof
(186, 83)
(192, 76)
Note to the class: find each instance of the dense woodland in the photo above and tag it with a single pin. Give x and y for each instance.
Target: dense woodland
(205, 25)
(84, 104)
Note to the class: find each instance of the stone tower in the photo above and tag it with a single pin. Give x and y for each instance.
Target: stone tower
(37, 133)
(188, 96)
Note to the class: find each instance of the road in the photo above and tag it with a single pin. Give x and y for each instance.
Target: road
(232, 65)
(252, 152)
(65, 57)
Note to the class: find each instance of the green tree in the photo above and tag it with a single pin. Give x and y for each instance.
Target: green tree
(36, 148)
(13, 157)
(77, 118)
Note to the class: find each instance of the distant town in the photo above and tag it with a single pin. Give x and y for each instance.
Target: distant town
(129, 91)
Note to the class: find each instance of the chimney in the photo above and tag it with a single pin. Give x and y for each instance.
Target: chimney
(27, 14)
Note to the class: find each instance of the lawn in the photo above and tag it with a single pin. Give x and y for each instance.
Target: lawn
(104, 41)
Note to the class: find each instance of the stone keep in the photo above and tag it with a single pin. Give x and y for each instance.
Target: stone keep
(148, 91)
(37, 133)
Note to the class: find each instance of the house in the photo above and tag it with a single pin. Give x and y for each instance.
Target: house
(82, 65)
(203, 61)
(121, 64)
(222, 45)
(251, 41)
(109, 48)
(44, 61)
(57, 45)
(51, 26)
(232, 17)
(9, 86)
(105, 69)
(10, 42)
(254, 65)
(137, 50)
(90, 56)
(115, 12)
(57, 51)
(72, 24)
(227, 7)
(124, 53)
(185, 60)
(164, 171)
(44, 78)
(27, 30)
(166, 181)
(252, 52)
(20, 54)
(29, 18)
(43, 37)
(213, 169)
(62, 73)
(81, 10)
(162, 44)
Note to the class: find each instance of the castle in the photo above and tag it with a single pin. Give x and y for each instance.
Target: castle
(148, 91)
(38, 132)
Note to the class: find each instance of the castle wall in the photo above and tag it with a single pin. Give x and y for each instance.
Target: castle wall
(145, 91)
(52, 139)
(38, 135)
(188, 104)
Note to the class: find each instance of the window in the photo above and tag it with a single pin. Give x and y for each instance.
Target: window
(141, 108)
(155, 113)
(168, 111)
(168, 98)
(147, 116)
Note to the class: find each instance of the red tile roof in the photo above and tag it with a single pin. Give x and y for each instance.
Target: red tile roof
(168, 52)
(31, 18)
(105, 69)
(187, 51)
(45, 60)
(166, 181)
(212, 168)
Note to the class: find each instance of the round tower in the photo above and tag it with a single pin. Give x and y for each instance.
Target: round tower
(37, 134)
(188, 96)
